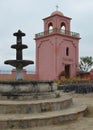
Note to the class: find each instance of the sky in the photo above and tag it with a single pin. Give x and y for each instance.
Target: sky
(27, 16)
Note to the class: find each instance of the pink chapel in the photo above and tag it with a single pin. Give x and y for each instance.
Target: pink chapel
(57, 48)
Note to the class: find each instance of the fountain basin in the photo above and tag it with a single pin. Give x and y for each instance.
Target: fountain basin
(19, 63)
(23, 46)
(31, 89)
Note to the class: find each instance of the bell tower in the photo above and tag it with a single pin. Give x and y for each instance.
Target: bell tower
(56, 48)
(57, 20)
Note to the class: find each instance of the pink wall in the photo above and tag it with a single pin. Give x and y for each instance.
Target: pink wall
(63, 59)
(45, 64)
(51, 56)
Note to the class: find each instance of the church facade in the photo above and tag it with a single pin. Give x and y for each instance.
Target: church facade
(57, 48)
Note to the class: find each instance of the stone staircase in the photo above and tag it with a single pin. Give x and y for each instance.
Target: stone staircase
(23, 113)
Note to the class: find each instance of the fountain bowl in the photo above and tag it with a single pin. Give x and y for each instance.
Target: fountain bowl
(28, 89)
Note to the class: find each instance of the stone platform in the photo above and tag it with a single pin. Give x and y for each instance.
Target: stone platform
(36, 106)
(25, 113)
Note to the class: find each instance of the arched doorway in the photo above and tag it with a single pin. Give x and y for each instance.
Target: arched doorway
(50, 28)
(67, 71)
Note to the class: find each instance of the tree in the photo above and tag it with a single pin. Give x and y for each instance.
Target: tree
(85, 63)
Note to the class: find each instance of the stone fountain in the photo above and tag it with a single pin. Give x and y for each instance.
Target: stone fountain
(19, 63)
(20, 87)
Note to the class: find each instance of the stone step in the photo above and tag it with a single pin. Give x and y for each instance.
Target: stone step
(23, 121)
(36, 106)
(27, 96)
(81, 124)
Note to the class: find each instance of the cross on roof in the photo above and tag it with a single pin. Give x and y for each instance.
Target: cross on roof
(57, 7)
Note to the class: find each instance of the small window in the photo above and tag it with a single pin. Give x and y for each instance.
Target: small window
(67, 51)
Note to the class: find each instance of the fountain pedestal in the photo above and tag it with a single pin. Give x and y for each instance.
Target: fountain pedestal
(19, 74)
